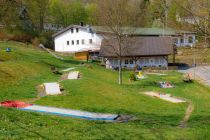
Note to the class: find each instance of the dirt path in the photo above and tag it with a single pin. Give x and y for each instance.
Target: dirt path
(187, 115)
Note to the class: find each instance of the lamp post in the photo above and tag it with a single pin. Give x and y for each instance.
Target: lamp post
(194, 59)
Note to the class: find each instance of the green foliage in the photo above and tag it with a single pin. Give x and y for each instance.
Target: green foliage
(132, 77)
(66, 13)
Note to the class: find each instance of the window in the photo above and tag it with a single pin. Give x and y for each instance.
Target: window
(77, 42)
(182, 40)
(126, 61)
(72, 42)
(83, 41)
(90, 41)
(131, 61)
(190, 39)
(115, 62)
(77, 30)
(67, 42)
(72, 30)
(176, 41)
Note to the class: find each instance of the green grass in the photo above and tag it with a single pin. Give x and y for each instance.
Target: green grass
(26, 67)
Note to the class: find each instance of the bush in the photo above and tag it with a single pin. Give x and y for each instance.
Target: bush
(35, 41)
(4, 35)
(20, 37)
(46, 39)
(132, 77)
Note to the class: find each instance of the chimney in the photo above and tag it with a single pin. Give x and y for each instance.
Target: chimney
(81, 23)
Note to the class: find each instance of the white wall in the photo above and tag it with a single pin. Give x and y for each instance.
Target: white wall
(61, 40)
(159, 61)
(186, 39)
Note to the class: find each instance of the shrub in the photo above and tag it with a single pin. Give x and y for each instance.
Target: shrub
(20, 36)
(132, 77)
(4, 35)
(35, 41)
(46, 39)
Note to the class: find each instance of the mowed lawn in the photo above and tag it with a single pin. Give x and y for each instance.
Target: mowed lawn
(97, 91)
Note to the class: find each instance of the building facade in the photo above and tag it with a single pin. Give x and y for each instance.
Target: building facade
(76, 38)
(130, 63)
(144, 52)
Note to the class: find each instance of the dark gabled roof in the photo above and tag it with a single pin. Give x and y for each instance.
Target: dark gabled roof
(138, 46)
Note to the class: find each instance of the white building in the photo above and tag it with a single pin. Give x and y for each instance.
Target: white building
(52, 27)
(184, 39)
(76, 38)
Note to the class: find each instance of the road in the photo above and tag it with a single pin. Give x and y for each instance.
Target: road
(202, 73)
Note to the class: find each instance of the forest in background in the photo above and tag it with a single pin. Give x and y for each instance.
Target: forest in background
(23, 20)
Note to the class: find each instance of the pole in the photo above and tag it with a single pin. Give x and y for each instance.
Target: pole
(194, 60)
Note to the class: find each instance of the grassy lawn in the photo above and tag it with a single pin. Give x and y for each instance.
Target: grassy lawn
(26, 67)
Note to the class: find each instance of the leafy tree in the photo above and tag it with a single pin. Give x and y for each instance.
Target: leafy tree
(68, 12)
(38, 12)
(9, 13)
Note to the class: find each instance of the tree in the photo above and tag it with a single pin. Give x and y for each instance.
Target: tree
(68, 12)
(199, 13)
(9, 13)
(120, 17)
(37, 12)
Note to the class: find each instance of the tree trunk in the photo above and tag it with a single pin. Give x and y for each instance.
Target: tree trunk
(120, 71)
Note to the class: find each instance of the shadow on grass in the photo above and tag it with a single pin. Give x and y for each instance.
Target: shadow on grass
(151, 120)
(142, 84)
(72, 62)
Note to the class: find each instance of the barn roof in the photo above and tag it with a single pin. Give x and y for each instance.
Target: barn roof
(138, 46)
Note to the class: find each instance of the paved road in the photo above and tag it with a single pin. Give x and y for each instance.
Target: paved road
(202, 73)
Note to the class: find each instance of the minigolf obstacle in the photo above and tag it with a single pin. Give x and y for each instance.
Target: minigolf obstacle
(73, 75)
(166, 85)
(66, 112)
(166, 97)
(52, 88)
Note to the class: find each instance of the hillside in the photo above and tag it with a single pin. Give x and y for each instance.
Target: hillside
(26, 67)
